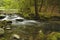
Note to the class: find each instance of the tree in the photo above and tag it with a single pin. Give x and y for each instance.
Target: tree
(41, 6)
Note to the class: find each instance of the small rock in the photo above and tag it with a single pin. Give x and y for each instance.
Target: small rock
(8, 28)
(15, 37)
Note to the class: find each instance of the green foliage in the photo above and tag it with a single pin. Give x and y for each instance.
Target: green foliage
(26, 8)
(53, 36)
(8, 4)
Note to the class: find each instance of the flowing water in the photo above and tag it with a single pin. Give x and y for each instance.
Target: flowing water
(22, 29)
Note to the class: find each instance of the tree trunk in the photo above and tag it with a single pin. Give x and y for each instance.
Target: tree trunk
(36, 9)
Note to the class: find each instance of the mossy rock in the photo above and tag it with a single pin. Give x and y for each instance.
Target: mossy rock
(1, 31)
